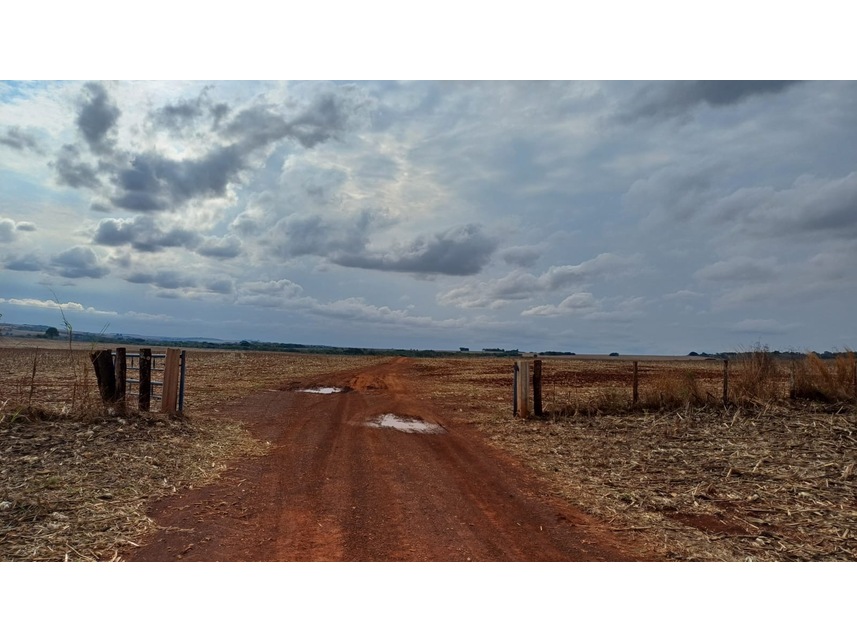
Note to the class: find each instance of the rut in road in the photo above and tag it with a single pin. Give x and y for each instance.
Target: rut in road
(336, 488)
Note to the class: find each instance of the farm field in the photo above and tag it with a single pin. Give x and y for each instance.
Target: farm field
(757, 481)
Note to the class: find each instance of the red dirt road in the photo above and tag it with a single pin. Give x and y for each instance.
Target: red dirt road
(334, 488)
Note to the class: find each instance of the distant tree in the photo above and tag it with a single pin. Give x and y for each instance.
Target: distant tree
(614, 354)
(52, 333)
(693, 354)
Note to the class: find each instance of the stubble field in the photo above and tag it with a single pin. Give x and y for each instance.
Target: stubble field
(756, 481)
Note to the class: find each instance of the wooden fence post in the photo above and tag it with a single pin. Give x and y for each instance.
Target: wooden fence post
(515, 390)
(120, 370)
(102, 362)
(636, 394)
(537, 387)
(523, 389)
(725, 381)
(169, 392)
(145, 378)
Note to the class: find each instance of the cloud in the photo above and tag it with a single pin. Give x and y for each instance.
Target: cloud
(519, 285)
(521, 256)
(7, 230)
(97, 116)
(674, 193)
(673, 98)
(762, 326)
(72, 171)
(576, 304)
(143, 234)
(79, 261)
(269, 294)
(317, 235)
(220, 247)
(49, 303)
(463, 250)
(18, 139)
(153, 182)
(166, 279)
(810, 208)
(739, 269)
(355, 309)
(223, 286)
(25, 263)
(181, 115)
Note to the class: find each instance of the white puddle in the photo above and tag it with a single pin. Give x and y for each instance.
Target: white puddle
(322, 390)
(391, 421)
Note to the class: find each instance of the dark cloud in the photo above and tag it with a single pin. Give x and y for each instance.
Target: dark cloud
(463, 250)
(321, 236)
(327, 116)
(154, 183)
(97, 117)
(16, 138)
(667, 99)
(25, 226)
(167, 279)
(143, 234)
(26, 263)
(224, 248)
(72, 171)
(184, 114)
(78, 261)
(222, 286)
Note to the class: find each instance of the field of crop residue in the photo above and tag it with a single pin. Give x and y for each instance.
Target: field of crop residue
(760, 478)
(751, 480)
(76, 480)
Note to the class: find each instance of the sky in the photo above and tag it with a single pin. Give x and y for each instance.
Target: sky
(642, 217)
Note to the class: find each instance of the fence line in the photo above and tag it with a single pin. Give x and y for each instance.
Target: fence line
(111, 368)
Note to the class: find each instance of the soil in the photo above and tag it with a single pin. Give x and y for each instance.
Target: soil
(335, 487)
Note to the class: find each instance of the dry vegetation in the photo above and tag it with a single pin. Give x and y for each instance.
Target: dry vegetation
(762, 478)
(75, 480)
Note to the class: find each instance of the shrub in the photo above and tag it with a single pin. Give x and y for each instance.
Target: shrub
(815, 380)
(757, 378)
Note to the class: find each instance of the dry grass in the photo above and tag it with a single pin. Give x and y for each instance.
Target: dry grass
(75, 481)
(815, 380)
(762, 482)
(757, 378)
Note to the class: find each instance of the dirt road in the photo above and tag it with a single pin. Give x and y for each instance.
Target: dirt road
(336, 487)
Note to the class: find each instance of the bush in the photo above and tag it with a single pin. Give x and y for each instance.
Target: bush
(815, 380)
(757, 377)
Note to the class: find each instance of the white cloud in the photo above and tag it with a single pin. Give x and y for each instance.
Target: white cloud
(49, 303)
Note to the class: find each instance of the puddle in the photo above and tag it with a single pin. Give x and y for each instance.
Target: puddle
(322, 390)
(405, 425)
